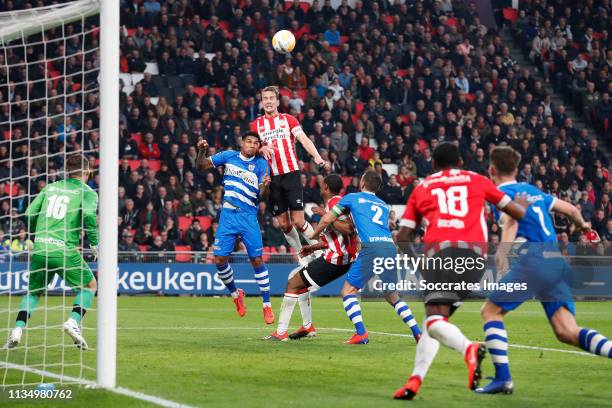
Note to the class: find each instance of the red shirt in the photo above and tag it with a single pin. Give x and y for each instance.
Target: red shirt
(451, 202)
(341, 249)
(279, 132)
(366, 153)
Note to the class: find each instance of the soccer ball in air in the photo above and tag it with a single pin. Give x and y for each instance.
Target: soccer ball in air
(283, 41)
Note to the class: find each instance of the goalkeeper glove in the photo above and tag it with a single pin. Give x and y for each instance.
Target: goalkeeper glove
(94, 249)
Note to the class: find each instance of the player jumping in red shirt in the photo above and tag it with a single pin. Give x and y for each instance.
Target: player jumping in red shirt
(278, 133)
(451, 204)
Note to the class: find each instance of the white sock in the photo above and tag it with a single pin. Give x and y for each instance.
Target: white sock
(306, 231)
(426, 351)
(293, 238)
(306, 309)
(286, 310)
(446, 333)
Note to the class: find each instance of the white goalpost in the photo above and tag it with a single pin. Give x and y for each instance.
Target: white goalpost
(59, 94)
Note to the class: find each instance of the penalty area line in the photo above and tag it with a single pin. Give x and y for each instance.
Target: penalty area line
(117, 390)
(336, 329)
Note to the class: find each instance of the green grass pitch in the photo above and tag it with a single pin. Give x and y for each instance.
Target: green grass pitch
(197, 351)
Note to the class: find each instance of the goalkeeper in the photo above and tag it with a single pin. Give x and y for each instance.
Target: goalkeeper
(57, 216)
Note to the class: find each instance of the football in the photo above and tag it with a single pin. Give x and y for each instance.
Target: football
(283, 41)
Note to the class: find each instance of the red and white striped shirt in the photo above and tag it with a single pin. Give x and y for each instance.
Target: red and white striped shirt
(341, 249)
(279, 132)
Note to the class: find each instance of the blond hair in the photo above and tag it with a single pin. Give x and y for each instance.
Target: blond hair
(272, 89)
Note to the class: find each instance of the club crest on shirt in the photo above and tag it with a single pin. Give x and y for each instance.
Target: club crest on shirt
(251, 167)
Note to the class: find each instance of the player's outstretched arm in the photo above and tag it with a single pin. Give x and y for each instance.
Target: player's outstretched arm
(516, 209)
(202, 162)
(344, 227)
(572, 213)
(311, 149)
(309, 249)
(509, 231)
(325, 222)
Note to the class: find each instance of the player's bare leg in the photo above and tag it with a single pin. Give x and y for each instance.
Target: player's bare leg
(403, 311)
(567, 331)
(225, 273)
(263, 281)
(353, 311)
(83, 300)
(496, 340)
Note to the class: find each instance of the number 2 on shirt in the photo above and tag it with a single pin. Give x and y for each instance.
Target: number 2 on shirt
(377, 214)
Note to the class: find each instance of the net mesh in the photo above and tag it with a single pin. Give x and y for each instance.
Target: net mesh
(49, 92)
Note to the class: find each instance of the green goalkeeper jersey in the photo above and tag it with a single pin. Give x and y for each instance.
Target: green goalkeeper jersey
(59, 214)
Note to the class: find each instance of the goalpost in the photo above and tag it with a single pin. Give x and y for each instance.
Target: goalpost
(64, 55)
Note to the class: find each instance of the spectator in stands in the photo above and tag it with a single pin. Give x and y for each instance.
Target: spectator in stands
(273, 236)
(144, 235)
(129, 248)
(215, 202)
(391, 192)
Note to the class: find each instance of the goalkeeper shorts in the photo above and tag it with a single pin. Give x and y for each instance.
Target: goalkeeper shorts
(71, 268)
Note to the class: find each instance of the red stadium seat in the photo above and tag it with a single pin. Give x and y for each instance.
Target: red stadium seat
(304, 5)
(205, 221)
(224, 25)
(285, 92)
(220, 92)
(401, 72)
(199, 90)
(510, 14)
(131, 31)
(181, 257)
(143, 248)
(154, 165)
(183, 224)
(134, 164)
(344, 39)
(334, 48)
(6, 134)
(389, 19)
(355, 118)
(405, 118)
(303, 94)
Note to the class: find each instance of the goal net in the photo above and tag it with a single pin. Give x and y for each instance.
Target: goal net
(49, 110)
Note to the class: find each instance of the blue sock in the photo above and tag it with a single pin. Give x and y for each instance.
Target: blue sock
(227, 277)
(403, 311)
(593, 342)
(263, 280)
(496, 340)
(353, 310)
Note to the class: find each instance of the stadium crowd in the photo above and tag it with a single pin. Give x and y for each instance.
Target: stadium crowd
(376, 85)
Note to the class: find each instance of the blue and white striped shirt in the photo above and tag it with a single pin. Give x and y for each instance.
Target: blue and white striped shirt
(241, 178)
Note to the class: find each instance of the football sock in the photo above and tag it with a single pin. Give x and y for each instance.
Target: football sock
(426, 351)
(306, 231)
(26, 308)
(227, 277)
(293, 238)
(305, 308)
(353, 310)
(81, 303)
(261, 276)
(496, 340)
(595, 343)
(403, 311)
(446, 333)
(286, 310)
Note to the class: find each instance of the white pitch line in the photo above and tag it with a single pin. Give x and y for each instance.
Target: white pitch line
(117, 390)
(174, 328)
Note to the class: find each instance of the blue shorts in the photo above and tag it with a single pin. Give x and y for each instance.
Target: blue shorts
(548, 280)
(238, 223)
(368, 264)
